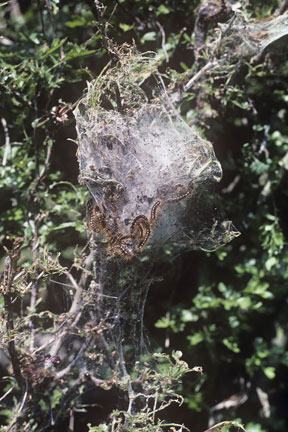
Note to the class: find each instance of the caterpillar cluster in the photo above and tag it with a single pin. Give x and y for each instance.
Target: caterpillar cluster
(101, 221)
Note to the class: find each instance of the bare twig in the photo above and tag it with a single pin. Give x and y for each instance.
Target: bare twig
(77, 302)
(56, 342)
(208, 66)
(6, 394)
(7, 146)
(67, 398)
(180, 38)
(9, 297)
(23, 399)
(218, 426)
(66, 370)
(163, 41)
(46, 162)
(41, 18)
(16, 12)
(281, 8)
(35, 242)
(264, 400)
(34, 287)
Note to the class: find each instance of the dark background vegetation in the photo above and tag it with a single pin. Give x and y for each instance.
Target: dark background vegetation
(226, 311)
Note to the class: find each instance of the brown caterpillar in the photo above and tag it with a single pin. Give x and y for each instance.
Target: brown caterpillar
(96, 218)
(185, 194)
(141, 224)
(154, 210)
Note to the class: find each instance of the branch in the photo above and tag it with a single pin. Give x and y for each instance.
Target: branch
(9, 297)
(281, 8)
(7, 146)
(208, 66)
(163, 41)
(77, 302)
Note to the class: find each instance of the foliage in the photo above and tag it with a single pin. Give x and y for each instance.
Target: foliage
(157, 394)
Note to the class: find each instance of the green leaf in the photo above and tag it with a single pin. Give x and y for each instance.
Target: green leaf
(195, 339)
(77, 22)
(55, 398)
(126, 27)
(254, 427)
(150, 36)
(188, 316)
(271, 262)
(259, 167)
(222, 287)
(162, 10)
(56, 44)
(76, 52)
(162, 323)
(270, 372)
(231, 345)
(34, 37)
(244, 302)
(184, 66)
(244, 105)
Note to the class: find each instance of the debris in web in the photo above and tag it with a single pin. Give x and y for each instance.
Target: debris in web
(242, 38)
(253, 38)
